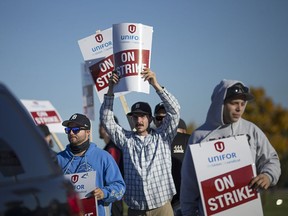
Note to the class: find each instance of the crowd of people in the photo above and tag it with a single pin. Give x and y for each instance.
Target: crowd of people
(151, 167)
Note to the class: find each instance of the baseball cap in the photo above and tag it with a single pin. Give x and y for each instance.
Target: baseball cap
(238, 89)
(182, 124)
(158, 107)
(140, 107)
(78, 119)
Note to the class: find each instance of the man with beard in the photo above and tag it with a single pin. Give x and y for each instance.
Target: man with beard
(83, 156)
(146, 152)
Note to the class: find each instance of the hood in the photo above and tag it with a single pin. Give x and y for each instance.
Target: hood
(214, 117)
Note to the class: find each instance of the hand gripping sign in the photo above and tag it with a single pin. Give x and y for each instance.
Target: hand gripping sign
(132, 44)
(84, 184)
(224, 169)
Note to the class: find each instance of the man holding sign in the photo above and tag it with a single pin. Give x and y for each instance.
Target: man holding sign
(146, 152)
(224, 120)
(93, 171)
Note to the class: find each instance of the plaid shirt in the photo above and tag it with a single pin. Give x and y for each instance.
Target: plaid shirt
(147, 162)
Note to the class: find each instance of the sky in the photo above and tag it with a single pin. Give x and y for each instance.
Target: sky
(196, 44)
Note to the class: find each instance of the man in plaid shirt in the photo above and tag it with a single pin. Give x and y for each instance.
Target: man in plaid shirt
(146, 151)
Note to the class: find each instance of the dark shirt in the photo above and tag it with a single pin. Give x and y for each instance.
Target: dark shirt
(116, 154)
(178, 148)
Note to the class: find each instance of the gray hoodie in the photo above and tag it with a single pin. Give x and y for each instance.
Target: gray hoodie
(263, 153)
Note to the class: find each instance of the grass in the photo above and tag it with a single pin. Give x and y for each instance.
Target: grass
(125, 209)
(269, 202)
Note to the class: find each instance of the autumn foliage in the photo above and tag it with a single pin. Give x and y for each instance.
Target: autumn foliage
(271, 118)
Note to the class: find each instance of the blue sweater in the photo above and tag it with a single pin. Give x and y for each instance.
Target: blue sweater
(108, 176)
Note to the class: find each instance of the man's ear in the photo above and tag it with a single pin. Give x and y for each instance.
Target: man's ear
(88, 132)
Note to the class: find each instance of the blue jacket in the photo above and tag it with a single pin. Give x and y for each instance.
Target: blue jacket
(108, 176)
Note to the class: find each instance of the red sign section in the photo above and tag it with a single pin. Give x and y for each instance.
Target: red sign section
(131, 62)
(89, 206)
(101, 71)
(45, 117)
(228, 190)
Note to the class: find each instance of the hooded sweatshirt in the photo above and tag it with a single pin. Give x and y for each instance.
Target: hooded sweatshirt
(214, 128)
(108, 175)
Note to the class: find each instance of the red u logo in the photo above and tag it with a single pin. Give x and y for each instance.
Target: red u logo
(219, 146)
(74, 178)
(132, 28)
(99, 38)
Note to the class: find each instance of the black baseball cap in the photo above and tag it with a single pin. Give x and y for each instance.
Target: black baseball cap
(140, 107)
(158, 107)
(78, 119)
(182, 124)
(237, 90)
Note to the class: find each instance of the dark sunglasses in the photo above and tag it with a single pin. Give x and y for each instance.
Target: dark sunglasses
(75, 130)
(236, 90)
(159, 118)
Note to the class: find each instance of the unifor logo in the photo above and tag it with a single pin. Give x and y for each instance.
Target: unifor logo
(219, 146)
(132, 28)
(74, 178)
(99, 38)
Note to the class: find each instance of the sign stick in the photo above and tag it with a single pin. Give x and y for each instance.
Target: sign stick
(59, 144)
(126, 110)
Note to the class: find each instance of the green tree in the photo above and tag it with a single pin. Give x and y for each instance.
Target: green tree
(273, 120)
(191, 127)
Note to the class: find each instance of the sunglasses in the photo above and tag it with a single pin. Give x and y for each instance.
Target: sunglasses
(238, 90)
(159, 118)
(75, 130)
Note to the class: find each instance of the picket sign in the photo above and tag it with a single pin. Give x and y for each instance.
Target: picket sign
(224, 169)
(132, 44)
(97, 51)
(84, 184)
(124, 48)
(43, 112)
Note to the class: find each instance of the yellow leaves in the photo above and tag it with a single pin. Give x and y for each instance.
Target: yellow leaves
(271, 118)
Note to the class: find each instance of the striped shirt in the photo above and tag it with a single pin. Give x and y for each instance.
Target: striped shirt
(147, 160)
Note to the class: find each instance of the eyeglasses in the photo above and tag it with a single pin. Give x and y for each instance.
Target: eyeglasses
(75, 130)
(159, 118)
